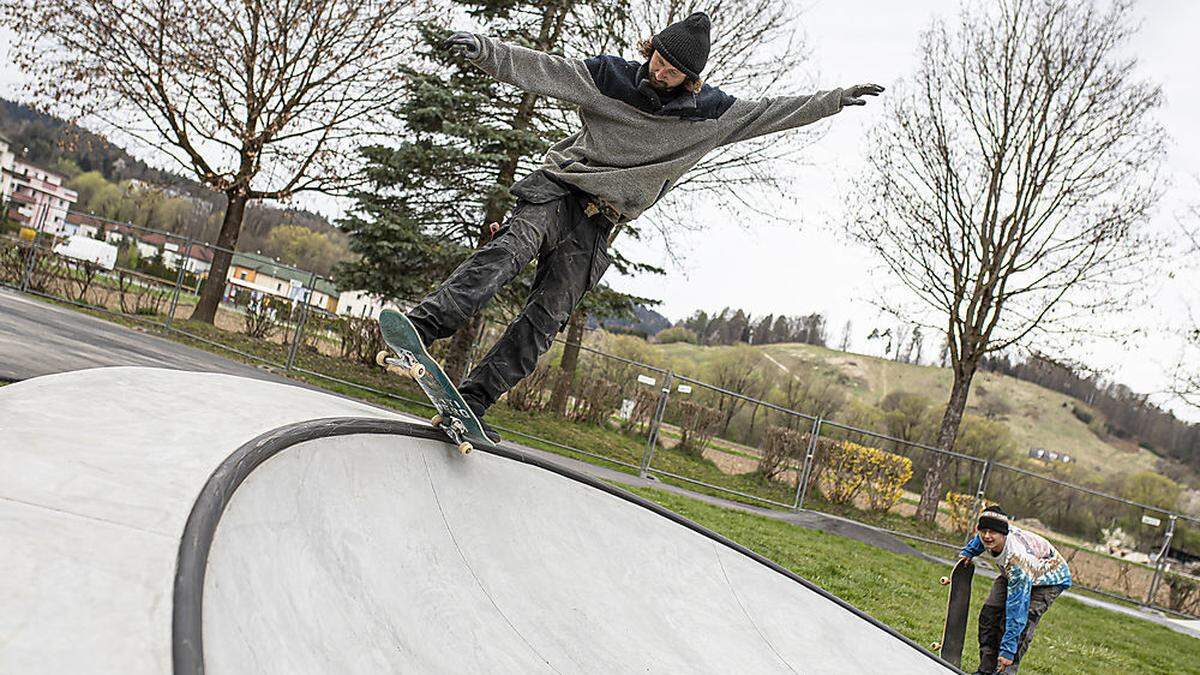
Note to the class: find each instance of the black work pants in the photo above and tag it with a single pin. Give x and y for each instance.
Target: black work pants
(548, 223)
(991, 623)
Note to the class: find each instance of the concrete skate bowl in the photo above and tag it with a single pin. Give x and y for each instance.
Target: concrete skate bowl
(198, 522)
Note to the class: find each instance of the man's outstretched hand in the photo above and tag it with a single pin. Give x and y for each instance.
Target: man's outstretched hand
(854, 95)
(464, 43)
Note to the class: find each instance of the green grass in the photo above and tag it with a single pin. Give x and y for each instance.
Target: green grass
(902, 591)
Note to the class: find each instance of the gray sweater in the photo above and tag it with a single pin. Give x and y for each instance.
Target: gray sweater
(633, 146)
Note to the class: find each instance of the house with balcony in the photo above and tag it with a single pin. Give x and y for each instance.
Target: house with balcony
(37, 199)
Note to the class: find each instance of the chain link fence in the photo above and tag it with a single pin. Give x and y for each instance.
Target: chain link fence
(634, 416)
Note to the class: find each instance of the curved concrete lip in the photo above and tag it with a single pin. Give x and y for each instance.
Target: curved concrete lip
(334, 537)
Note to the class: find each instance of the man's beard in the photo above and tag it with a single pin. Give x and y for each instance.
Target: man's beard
(657, 84)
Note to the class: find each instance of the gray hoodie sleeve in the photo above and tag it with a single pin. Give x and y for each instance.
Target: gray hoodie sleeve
(538, 72)
(766, 116)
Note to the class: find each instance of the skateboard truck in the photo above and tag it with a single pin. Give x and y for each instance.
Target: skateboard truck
(404, 364)
(401, 365)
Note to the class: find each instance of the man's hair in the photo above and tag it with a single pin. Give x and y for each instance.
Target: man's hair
(646, 47)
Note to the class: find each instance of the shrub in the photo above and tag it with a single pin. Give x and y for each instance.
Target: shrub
(886, 474)
(359, 338)
(676, 334)
(781, 449)
(261, 316)
(645, 402)
(697, 426)
(849, 468)
(596, 399)
(960, 505)
(1182, 592)
(530, 393)
(1082, 415)
(844, 472)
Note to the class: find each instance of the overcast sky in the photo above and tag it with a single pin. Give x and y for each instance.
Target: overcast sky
(807, 265)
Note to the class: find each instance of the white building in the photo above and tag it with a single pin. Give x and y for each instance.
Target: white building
(39, 201)
(362, 304)
(6, 168)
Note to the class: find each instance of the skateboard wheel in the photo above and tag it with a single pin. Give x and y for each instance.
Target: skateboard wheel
(436, 420)
(945, 581)
(417, 371)
(934, 646)
(465, 447)
(382, 357)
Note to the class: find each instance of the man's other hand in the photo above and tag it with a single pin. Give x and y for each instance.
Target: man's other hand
(854, 95)
(1002, 663)
(965, 560)
(464, 43)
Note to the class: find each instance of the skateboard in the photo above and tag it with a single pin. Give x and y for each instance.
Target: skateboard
(411, 359)
(955, 630)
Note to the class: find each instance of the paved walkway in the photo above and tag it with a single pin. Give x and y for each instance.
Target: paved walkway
(39, 338)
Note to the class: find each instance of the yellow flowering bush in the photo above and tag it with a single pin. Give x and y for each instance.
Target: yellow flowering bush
(886, 474)
(960, 506)
(850, 468)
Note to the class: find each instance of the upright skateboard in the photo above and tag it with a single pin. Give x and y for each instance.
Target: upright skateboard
(955, 630)
(453, 416)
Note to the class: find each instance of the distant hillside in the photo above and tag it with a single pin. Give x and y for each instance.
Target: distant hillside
(48, 141)
(644, 323)
(44, 139)
(1035, 416)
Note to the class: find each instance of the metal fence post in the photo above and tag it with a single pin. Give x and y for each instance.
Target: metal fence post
(1161, 564)
(655, 423)
(809, 454)
(298, 334)
(182, 264)
(979, 492)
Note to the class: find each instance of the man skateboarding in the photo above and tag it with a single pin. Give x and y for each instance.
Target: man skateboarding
(1032, 575)
(644, 125)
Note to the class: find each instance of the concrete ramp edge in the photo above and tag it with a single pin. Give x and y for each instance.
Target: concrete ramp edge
(197, 539)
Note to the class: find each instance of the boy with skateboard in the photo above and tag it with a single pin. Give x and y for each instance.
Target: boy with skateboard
(644, 125)
(1032, 574)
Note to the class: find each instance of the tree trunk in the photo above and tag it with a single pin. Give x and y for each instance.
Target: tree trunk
(931, 493)
(214, 284)
(570, 361)
(458, 354)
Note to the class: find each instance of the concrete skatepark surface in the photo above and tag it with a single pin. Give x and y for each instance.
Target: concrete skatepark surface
(158, 519)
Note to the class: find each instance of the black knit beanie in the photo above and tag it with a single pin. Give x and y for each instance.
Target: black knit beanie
(993, 518)
(685, 44)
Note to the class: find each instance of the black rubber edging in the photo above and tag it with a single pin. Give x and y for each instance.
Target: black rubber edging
(187, 611)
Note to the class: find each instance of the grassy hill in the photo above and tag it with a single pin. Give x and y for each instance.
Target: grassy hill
(1036, 416)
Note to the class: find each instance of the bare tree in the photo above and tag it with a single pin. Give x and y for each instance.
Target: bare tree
(1186, 384)
(847, 336)
(1008, 187)
(260, 99)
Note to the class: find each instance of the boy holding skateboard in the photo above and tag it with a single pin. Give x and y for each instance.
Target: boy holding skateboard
(644, 125)
(1032, 574)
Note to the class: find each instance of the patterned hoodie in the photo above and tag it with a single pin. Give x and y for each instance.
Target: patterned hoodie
(1027, 560)
(634, 142)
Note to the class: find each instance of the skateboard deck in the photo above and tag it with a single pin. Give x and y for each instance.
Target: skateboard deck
(411, 359)
(959, 602)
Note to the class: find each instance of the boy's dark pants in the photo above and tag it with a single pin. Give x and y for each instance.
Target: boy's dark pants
(549, 223)
(991, 623)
